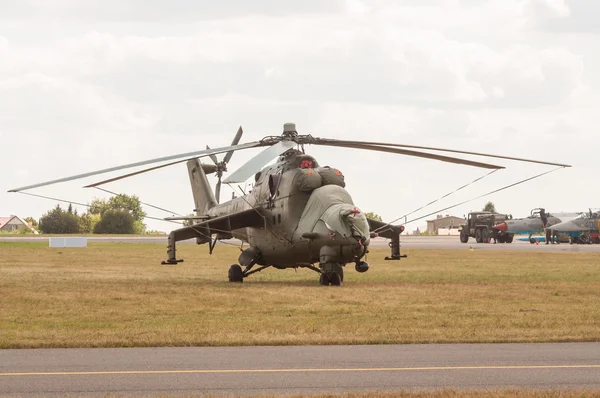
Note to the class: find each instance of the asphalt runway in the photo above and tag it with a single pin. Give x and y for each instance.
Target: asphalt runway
(407, 242)
(299, 369)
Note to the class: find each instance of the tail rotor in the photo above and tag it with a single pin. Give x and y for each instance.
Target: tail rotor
(222, 165)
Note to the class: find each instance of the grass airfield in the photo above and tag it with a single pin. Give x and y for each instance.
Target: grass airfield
(119, 295)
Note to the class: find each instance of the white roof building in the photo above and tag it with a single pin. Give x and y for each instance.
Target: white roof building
(14, 223)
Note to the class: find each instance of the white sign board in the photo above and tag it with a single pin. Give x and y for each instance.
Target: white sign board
(67, 242)
(446, 232)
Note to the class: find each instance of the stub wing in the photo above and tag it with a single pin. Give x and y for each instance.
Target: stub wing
(222, 226)
(392, 232)
(384, 229)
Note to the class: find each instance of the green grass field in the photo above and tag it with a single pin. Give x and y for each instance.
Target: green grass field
(119, 295)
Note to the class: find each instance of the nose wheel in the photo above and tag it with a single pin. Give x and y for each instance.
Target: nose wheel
(331, 278)
(332, 275)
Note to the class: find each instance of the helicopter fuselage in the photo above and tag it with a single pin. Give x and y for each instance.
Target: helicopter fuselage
(302, 212)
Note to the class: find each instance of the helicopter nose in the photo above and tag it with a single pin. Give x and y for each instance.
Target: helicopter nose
(501, 227)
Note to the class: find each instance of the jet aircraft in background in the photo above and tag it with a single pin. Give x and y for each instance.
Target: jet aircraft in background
(581, 229)
(536, 223)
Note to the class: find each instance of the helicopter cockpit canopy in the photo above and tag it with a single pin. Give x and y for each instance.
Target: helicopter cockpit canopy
(306, 162)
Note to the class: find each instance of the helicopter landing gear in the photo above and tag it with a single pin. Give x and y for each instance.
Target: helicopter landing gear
(235, 273)
(331, 278)
(331, 274)
(331, 271)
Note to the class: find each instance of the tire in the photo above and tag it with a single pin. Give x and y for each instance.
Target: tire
(335, 279)
(236, 274)
(340, 270)
(531, 240)
(324, 280)
(478, 235)
(464, 238)
(485, 236)
(501, 238)
(597, 240)
(509, 238)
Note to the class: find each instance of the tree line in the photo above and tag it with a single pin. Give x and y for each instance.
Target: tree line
(120, 214)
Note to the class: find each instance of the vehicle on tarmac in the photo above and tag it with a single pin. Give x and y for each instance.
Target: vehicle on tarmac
(480, 225)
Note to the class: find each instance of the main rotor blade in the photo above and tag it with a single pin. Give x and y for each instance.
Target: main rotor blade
(255, 164)
(235, 141)
(187, 155)
(348, 144)
(96, 184)
(332, 141)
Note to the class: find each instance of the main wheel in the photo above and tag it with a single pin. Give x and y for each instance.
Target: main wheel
(464, 238)
(324, 279)
(485, 236)
(478, 236)
(509, 238)
(235, 273)
(501, 239)
(597, 240)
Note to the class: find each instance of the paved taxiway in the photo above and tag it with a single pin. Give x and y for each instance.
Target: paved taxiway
(300, 369)
(407, 242)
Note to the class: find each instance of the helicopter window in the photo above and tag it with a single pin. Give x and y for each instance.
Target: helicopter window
(274, 184)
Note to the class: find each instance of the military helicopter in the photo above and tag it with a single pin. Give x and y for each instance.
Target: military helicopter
(298, 213)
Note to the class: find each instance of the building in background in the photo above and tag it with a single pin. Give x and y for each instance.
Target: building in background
(13, 224)
(446, 222)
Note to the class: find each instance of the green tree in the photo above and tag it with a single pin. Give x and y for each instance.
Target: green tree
(121, 202)
(58, 221)
(87, 222)
(489, 206)
(115, 222)
(373, 216)
(32, 221)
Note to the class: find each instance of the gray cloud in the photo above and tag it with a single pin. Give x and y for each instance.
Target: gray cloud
(158, 11)
(84, 86)
(583, 18)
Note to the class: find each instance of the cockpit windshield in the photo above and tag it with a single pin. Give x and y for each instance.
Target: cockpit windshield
(593, 215)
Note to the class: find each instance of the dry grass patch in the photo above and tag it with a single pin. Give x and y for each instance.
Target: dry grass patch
(436, 394)
(116, 295)
(454, 394)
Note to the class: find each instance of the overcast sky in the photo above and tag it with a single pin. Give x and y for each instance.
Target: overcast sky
(91, 84)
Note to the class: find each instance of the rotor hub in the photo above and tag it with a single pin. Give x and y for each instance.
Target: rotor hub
(289, 128)
(289, 131)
